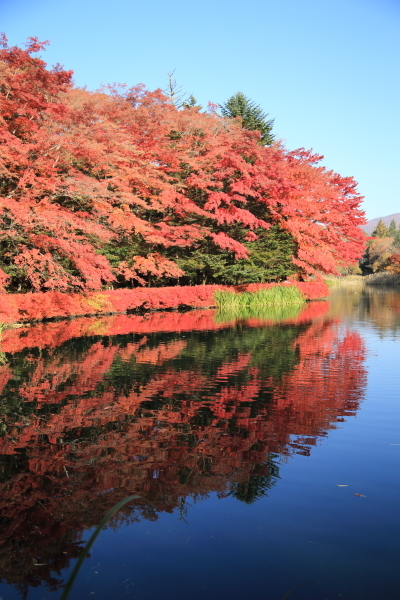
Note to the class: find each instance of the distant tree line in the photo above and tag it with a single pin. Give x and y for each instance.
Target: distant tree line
(383, 249)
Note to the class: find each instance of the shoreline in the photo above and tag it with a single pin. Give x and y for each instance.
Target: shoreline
(37, 307)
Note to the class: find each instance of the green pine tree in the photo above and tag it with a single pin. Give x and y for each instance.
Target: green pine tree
(380, 230)
(191, 102)
(253, 117)
(397, 236)
(392, 229)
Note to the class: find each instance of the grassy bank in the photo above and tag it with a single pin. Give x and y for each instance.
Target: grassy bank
(381, 278)
(333, 280)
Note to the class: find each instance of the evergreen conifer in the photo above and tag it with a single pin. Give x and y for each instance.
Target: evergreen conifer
(253, 117)
(380, 230)
(392, 229)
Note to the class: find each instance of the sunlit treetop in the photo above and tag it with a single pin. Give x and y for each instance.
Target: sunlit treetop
(251, 114)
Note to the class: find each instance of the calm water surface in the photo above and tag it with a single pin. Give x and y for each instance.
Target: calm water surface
(265, 449)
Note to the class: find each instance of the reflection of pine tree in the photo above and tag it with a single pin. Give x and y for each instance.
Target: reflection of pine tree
(261, 479)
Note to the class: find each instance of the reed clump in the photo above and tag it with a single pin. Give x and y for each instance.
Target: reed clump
(274, 296)
(334, 280)
(382, 278)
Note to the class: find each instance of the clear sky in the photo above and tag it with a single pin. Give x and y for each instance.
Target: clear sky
(327, 71)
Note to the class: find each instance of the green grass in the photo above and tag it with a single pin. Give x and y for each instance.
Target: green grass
(275, 296)
(90, 543)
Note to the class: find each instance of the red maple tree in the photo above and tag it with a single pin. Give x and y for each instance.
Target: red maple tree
(83, 169)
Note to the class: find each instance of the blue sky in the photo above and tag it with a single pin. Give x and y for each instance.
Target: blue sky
(326, 71)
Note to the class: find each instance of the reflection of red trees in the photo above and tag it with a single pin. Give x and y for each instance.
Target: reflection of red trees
(159, 355)
(312, 310)
(44, 384)
(53, 334)
(5, 374)
(325, 386)
(81, 444)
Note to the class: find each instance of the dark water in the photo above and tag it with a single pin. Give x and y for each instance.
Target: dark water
(237, 435)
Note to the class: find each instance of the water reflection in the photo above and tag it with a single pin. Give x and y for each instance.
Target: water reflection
(378, 305)
(168, 406)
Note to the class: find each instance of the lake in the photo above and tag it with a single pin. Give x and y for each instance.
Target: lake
(264, 448)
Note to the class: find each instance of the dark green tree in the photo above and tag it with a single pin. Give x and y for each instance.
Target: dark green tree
(397, 236)
(392, 229)
(253, 117)
(270, 260)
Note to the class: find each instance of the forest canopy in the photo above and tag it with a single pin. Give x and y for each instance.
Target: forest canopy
(120, 187)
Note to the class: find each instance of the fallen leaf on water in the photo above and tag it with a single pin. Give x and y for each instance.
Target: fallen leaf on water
(360, 495)
(342, 485)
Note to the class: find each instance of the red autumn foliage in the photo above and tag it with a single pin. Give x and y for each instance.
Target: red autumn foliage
(37, 306)
(394, 263)
(80, 169)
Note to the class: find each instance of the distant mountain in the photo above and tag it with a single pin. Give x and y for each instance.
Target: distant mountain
(370, 226)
